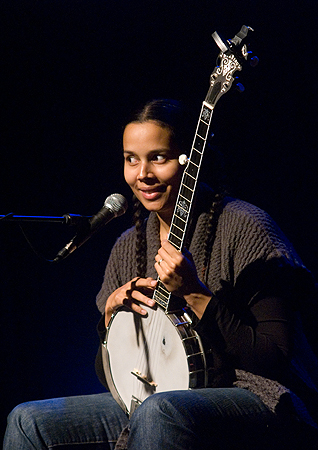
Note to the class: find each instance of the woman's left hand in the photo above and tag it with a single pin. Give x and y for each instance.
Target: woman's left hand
(178, 273)
(174, 267)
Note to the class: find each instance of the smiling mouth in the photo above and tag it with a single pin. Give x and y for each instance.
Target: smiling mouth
(152, 193)
(150, 190)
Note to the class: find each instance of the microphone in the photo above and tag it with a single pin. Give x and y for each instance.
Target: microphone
(115, 205)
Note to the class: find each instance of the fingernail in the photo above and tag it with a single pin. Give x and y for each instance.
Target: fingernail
(153, 282)
(151, 302)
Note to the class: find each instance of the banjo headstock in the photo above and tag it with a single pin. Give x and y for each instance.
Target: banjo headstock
(230, 60)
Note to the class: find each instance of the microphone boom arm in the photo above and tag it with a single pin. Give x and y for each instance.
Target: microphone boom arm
(68, 219)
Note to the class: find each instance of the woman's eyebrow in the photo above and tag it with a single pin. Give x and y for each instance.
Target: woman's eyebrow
(151, 152)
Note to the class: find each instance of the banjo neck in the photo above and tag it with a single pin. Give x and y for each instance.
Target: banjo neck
(221, 80)
(184, 202)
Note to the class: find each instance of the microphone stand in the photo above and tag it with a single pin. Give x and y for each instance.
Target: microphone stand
(81, 222)
(68, 219)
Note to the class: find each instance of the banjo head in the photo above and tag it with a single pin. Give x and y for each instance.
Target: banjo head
(145, 355)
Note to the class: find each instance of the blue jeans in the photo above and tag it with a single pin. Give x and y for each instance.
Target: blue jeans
(180, 420)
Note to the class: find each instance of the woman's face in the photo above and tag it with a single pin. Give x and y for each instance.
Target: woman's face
(152, 169)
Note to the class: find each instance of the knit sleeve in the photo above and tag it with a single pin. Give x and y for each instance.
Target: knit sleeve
(250, 252)
(251, 235)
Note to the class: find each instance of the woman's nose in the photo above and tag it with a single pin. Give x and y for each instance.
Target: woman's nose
(144, 171)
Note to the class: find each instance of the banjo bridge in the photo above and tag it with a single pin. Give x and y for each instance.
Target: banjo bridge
(143, 378)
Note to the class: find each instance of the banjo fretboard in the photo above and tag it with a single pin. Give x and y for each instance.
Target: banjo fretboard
(181, 215)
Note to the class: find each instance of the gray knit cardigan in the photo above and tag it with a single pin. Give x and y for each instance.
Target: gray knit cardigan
(246, 238)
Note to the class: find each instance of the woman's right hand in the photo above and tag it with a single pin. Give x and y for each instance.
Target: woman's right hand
(132, 294)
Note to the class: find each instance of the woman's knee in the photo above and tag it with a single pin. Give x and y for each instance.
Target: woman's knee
(22, 415)
(27, 418)
(159, 421)
(177, 409)
(164, 403)
(23, 426)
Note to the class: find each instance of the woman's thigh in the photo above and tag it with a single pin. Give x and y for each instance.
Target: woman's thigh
(94, 421)
(229, 418)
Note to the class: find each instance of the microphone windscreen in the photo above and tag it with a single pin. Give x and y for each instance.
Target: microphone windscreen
(117, 203)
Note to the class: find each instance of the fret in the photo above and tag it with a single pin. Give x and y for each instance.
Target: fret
(176, 231)
(185, 201)
(177, 242)
(181, 213)
(178, 222)
(189, 175)
(199, 144)
(163, 290)
(202, 129)
(160, 302)
(177, 245)
(174, 225)
(192, 169)
(185, 192)
(195, 157)
(188, 181)
(161, 295)
(161, 299)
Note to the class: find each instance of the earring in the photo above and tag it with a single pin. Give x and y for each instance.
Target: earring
(183, 159)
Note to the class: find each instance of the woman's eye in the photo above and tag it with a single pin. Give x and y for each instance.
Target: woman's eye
(131, 159)
(159, 158)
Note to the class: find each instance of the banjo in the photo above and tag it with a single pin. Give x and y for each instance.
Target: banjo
(161, 351)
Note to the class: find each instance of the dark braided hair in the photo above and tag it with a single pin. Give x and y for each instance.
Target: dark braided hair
(141, 243)
(171, 114)
(214, 214)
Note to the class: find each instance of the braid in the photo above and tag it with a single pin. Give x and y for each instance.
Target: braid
(141, 243)
(214, 214)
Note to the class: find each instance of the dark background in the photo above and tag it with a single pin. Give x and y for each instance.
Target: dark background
(70, 72)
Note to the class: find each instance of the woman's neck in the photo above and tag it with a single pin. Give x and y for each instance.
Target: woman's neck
(164, 224)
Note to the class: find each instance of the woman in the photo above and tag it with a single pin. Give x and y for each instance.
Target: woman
(243, 283)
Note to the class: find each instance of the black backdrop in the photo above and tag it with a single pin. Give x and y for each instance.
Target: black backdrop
(70, 72)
